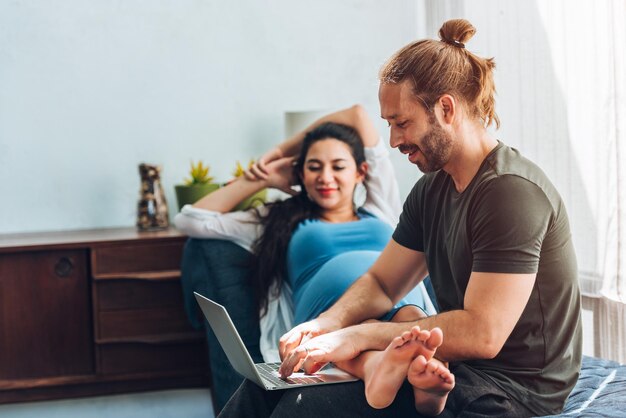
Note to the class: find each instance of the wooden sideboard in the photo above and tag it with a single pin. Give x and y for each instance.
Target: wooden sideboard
(94, 312)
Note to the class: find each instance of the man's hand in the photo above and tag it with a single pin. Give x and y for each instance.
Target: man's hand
(313, 354)
(304, 332)
(291, 346)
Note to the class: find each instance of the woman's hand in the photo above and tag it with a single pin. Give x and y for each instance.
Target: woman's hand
(279, 174)
(259, 170)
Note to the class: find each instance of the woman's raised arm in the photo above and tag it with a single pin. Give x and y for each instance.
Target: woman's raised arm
(354, 116)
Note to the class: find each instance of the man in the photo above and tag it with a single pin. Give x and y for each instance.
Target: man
(490, 230)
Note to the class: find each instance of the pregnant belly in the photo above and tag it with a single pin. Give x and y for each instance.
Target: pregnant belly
(330, 282)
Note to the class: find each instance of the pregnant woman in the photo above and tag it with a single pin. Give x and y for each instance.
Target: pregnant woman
(318, 241)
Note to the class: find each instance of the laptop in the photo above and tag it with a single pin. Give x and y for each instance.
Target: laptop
(263, 374)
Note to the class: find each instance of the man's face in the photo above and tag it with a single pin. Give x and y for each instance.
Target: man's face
(414, 130)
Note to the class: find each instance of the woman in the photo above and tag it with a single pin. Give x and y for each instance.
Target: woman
(317, 241)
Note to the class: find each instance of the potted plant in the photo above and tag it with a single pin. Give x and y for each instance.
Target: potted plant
(256, 199)
(196, 187)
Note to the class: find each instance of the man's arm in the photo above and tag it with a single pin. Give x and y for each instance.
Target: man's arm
(396, 271)
(493, 304)
(394, 274)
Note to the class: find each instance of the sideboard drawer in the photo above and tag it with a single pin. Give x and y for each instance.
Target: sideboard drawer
(132, 294)
(151, 358)
(116, 261)
(143, 325)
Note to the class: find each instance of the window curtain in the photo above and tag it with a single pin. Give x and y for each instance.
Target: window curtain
(561, 80)
(609, 303)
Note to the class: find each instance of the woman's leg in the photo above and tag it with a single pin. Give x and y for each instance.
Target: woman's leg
(384, 372)
(432, 381)
(408, 313)
(387, 371)
(409, 355)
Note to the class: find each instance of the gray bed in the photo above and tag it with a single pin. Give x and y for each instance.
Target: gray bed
(600, 391)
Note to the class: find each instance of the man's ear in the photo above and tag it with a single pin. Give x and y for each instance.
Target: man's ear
(448, 106)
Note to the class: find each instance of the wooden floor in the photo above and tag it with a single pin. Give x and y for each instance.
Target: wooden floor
(189, 403)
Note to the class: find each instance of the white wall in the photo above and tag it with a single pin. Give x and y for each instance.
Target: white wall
(88, 90)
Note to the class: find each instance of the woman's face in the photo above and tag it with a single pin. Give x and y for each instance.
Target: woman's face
(330, 174)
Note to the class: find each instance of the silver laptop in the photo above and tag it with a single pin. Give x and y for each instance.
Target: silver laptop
(263, 374)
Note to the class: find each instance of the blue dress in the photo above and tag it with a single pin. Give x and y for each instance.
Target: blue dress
(324, 259)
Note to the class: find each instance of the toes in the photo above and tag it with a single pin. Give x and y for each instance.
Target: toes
(418, 365)
(406, 336)
(443, 371)
(423, 335)
(396, 342)
(445, 375)
(415, 331)
(432, 367)
(435, 339)
(450, 379)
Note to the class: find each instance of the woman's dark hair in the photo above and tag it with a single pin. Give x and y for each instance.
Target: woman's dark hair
(269, 264)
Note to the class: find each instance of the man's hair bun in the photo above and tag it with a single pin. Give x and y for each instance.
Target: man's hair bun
(457, 32)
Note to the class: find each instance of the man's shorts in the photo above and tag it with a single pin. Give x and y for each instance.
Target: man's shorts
(475, 395)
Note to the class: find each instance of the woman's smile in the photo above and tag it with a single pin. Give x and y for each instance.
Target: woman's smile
(326, 191)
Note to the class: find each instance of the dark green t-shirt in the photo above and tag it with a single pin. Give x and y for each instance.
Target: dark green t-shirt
(510, 219)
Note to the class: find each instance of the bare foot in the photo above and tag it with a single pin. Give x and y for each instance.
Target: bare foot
(387, 370)
(432, 381)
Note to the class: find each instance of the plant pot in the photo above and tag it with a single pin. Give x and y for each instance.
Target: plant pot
(188, 195)
(255, 200)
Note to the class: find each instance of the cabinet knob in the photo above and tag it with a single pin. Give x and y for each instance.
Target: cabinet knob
(64, 267)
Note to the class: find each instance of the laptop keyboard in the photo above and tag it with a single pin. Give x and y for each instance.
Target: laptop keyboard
(269, 372)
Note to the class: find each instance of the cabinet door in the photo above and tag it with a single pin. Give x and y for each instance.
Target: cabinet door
(45, 315)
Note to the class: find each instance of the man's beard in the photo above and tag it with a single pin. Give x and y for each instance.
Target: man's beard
(436, 147)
